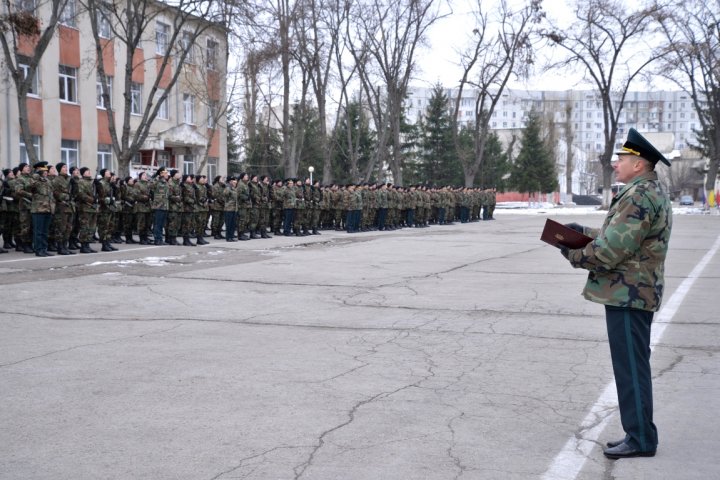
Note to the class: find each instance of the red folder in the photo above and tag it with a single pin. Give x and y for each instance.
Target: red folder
(558, 235)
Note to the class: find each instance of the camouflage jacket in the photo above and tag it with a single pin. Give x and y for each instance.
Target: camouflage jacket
(160, 194)
(626, 259)
(142, 196)
(43, 199)
(61, 191)
(85, 197)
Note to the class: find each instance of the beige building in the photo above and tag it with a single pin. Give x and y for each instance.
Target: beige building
(67, 113)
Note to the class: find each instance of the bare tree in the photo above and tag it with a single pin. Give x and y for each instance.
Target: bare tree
(692, 32)
(601, 40)
(130, 23)
(25, 33)
(500, 49)
(388, 34)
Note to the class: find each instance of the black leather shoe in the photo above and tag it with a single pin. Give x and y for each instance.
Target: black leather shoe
(626, 451)
(615, 443)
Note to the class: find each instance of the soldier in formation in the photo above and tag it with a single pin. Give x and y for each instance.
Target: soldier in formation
(81, 208)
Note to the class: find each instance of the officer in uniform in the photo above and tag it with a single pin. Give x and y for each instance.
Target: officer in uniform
(160, 196)
(626, 261)
(64, 209)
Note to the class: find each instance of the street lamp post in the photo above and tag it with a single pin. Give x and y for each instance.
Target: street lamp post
(311, 169)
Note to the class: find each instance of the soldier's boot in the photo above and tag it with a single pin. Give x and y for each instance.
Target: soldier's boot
(315, 231)
(27, 248)
(243, 236)
(74, 244)
(187, 242)
(106, 247)
(254, 235)
(160, 242)
(7, 244)
(85, 248)
(305, 232)
(95, 237)
(67, 250)
(143, 240)
(201, 240)
(129, 239)
(297, 233)
(264, 234)
(52, 246)
(61, 250)
(116, 238)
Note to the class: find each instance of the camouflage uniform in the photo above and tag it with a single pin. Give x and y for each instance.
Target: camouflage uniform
(143, 212)
(243, 207)
(217, 209)
(42, 210)
(626, 273)
(23, 197)
(160, 204)
(107, 203)
(201, 212)
(255, 194)
(64, 212)
(264, 206)
(230, 201)
(188, 212)
(174, 212)
(86, 202)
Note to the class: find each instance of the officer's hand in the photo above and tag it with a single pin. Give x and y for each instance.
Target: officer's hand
(576, 226)
(565, 252)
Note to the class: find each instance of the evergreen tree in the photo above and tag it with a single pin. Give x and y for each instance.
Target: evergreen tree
(495, 165)
(355, 126)
(534, 168)
(438, 163)
(263, 155)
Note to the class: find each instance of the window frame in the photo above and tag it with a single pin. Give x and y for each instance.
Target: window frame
(68, 84)
(66, 152)
(162, 38)
(136, 98)
(69, 19)
(100, 101)
(189, 101)
(24, 157)
(104, 156)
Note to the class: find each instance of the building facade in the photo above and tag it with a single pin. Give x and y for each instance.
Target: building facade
(67, 112)
(667, 115)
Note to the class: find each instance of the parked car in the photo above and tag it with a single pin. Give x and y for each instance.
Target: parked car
(687, 200)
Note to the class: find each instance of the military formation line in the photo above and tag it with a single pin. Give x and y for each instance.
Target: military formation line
(59, 209)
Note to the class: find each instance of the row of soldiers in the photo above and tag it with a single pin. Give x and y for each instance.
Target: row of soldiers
(63, 210)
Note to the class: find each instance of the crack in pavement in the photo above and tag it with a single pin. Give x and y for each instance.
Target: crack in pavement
(154, 332)
(257, 455)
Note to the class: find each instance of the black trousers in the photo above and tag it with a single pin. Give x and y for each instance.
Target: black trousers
(629, 338)
(160, 217)
(40, 231)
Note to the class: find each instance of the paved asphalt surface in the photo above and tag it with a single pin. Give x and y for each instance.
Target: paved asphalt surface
(449, 352)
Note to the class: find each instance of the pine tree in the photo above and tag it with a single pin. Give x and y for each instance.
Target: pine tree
(534, 168)
(438, 162)
(495, 165)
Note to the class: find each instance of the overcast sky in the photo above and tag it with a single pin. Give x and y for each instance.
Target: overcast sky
(438, 63)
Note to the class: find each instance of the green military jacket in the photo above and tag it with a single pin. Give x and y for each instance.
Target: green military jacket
(176, 200)
(201, 198)
(626, 259)
(244, 200)
(231, 198)
(85, 195)
(160, 194)
(43, 198)
(218, 197)
(142, 196)
(188, 197)
(61, 191)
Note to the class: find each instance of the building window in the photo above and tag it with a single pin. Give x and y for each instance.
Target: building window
(188, 164)
(189, 108)
(24, 157)
(136, 98)
(23, 62)
(102, 21)
(99, 92)
(69, 153)
(212, 111)
(67, 16)
(187, 46)
(163, 159)
(212, 167)
(211, 60)
(104, 157)
(68, 84)
(163, 110)
(162, 38)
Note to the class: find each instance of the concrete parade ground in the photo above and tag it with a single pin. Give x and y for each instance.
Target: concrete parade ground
(451, 352)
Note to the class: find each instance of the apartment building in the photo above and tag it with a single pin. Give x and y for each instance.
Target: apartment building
(67, 112)
(662, 114)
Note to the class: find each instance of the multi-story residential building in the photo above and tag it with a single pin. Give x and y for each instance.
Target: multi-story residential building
(666, 114)
(67, 113)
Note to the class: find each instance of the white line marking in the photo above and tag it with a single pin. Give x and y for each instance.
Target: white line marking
(569, 462)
